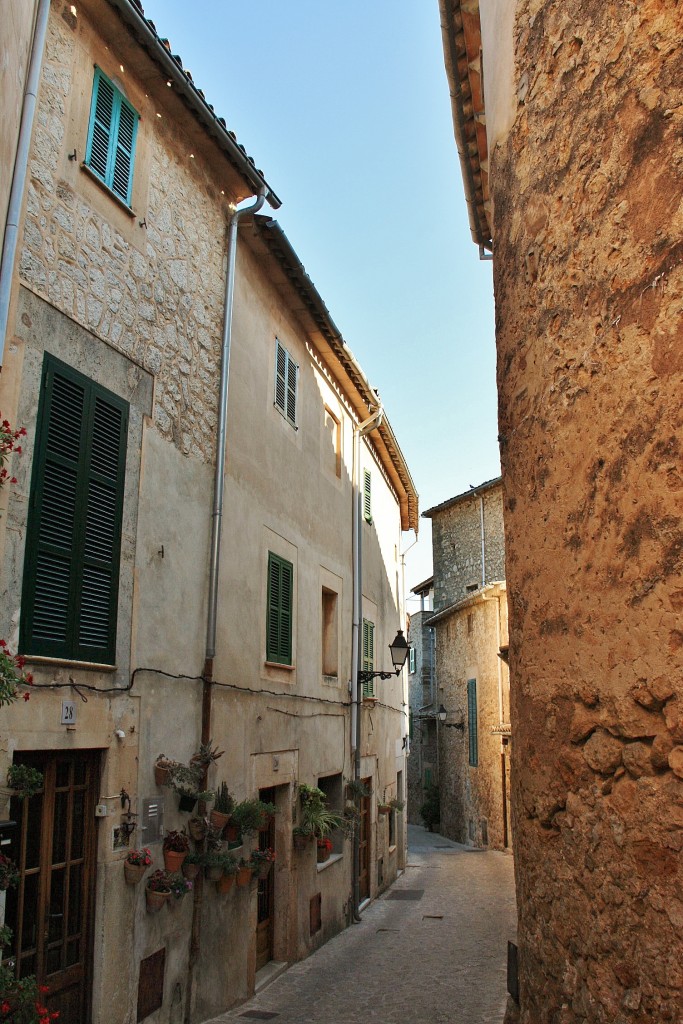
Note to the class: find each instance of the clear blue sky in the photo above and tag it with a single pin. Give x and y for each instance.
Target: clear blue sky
(345, 108)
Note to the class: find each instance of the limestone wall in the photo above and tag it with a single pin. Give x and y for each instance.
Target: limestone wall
(588, 281)
(457, 545)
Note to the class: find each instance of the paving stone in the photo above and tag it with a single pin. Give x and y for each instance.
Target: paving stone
(438, 959)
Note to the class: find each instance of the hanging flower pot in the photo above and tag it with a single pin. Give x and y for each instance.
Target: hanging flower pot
(383, 808)
(157, 891)
(187, 803)
(224, 883)
(232, 832)
(324, 850)
(134, 873)
(173, 860)
(219, 820)
(301, 841)
(190, 870)
(197, 829)
(263, 870)
(244, 874)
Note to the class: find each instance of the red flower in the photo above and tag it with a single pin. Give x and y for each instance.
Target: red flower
(26, 696)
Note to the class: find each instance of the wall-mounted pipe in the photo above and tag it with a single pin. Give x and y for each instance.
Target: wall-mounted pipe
(371, 423)
(16, 196)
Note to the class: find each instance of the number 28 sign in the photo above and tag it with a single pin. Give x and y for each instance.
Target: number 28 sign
(68, 712)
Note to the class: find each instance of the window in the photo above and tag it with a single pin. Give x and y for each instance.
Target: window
(333, 788)
(411, 657)
(330, 644)
(286, 383)
(279, 615)
(367, 496)
(368, 656)
(470, 622)
(73, 542)
(472, 722)
(113, 128)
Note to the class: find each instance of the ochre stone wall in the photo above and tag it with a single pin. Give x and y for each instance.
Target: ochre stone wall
(588, 236)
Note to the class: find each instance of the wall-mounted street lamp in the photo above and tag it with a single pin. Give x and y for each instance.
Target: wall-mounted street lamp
(441, 713)
(399, 654)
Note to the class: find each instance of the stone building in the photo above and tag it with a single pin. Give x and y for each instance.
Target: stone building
(470, 625)
(568, 124)
(422, 765)
(178, 558)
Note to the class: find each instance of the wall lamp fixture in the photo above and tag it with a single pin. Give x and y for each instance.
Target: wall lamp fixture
(399, 655)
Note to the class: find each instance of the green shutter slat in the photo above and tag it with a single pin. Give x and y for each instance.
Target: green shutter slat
(99, 134)
(112, 133)
(292, 373)
(281, 378)
(368, 656)
(73, 541)
(122, 169)
(286, 613)
(279, 613)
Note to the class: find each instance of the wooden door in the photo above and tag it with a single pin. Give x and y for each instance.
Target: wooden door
(265, 916)
(364, 845)
(51, 910)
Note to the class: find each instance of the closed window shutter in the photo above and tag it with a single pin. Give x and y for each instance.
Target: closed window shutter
(292, 375)
(73, 541)
(367, 496)
(279, 614)
(281, 378)
(368, 656)
(286, 383)
(472, 722)
(110, 150)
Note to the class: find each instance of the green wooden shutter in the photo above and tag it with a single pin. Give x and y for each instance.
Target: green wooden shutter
(281, 378)
(292, 380)
(368, 656)
(472, 722)
(112, 133)
(367, 496)
(279, 611)
(71, 569)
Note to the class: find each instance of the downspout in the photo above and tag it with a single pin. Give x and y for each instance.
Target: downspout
(371, 423)
(16, 196)
(214, 562)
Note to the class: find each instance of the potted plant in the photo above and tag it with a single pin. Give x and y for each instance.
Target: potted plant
(176, 846)
(9, 874)
(192, 864)
(302, 836)
(383, 808)
(135, 865)
(206, 755)
(324, 849)
(162, 769)
(224, 883)
(197, 828)
(356, 788)
(262, 861)
(396, 805)
(179, 885)
(157, 891)
(244, 872)
(186, 780)
(223, 805)
(251, 815)
(24, 780)
(213, 861)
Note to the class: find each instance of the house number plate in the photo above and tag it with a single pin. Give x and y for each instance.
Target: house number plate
(68, 712)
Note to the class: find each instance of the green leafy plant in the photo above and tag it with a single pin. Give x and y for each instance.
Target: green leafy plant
(206, 755)
(21, 1000)
(223, 802)
(177, 841)
(179, 885)
(396, 805)
(213, 858)
(356, 789)
(259, 857)
(25, 780)
(12, 676)
(159, 881)
(140, 858)
(9, 874)
(251, 815)
(194, 857)
(316, 819)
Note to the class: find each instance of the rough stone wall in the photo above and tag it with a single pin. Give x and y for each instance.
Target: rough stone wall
(589, 281)
(158, 301)
(471, 796)
(456, 546)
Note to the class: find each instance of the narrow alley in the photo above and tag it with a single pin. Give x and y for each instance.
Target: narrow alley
(432, 949)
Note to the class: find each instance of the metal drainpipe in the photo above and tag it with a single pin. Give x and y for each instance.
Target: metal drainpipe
(360, 431)
(218, 488)
(16, 197)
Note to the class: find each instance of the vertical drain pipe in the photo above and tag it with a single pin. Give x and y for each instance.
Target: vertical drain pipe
(371, 423)
(214, 563)
(16, 196)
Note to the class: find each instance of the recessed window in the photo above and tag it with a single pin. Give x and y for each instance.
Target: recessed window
(73, 541)
(330, 633)
(470, 622)
(112, 133)
(279, 613)
(286, 384)
(472, 733)
(333, 788)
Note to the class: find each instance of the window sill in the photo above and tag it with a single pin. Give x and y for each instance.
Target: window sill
(112, 195)
(332, 859)
(88, 666)
(276, 664)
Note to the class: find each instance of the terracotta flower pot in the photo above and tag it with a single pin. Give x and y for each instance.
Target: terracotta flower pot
(134, 872)
(162, 776)
(323, 854)
(263, 870)
(218, 819)
(190, 870)
(224, 883)
(156, 900)
(197, 829)
(173, 861)
(301, 842)
(213, 872)
(232, 833)
(383, 808)
(243, 876)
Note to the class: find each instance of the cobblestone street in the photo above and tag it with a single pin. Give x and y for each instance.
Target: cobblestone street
(432, 949)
